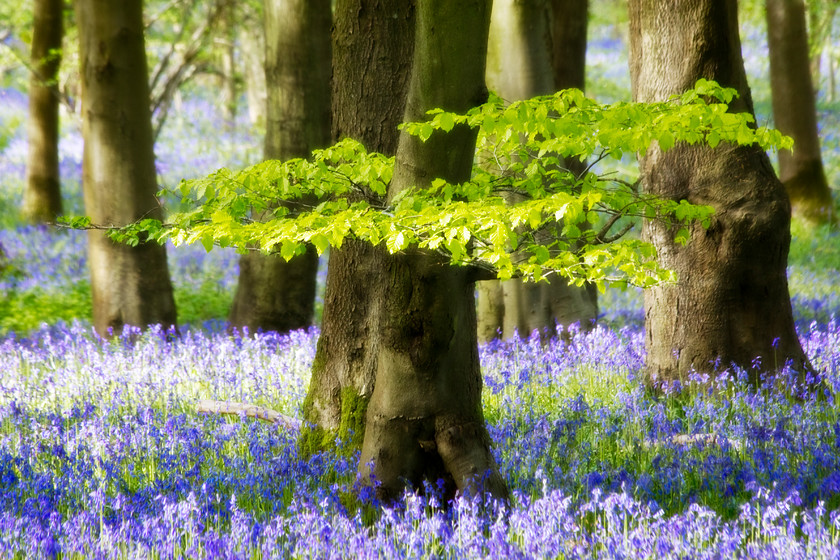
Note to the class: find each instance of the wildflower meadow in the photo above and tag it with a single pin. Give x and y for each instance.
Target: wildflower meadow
(104, 455)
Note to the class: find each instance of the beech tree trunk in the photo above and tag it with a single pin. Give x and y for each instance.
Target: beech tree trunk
(795, 111)
(373, 41)
(533, 44)
(42, 197)
(130, 285)
(425, 420)
(731, 303)
(569, 19)
(273, 294)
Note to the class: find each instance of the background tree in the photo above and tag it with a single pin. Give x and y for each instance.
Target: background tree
(526, 41)
(425, 419)
(822, 42)
(184, 29)
(568, 23)
(731, 304)
(42, 197)
(372, 46)
(225, 46)
(273, 294)
(251, 40)
(129, 285)
(795, 111)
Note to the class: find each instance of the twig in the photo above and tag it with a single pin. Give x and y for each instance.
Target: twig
(207, 406)
(697, 439)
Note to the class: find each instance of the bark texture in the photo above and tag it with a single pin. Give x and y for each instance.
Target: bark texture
(795, 111)
(731, 304)
(569, 19)
(424, 420)
(526, 40)
(373, 41)
(273, 294)
(130, 285)
(42, 197)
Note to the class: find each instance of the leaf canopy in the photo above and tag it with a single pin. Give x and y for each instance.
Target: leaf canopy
(522, 213)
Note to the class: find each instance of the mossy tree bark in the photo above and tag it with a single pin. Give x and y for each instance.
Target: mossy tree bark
(425, 420)
(731, 303)
(130, 285)
(532, 53)
(273, 294)
(373, 41)
(795, 111)
(42, 197)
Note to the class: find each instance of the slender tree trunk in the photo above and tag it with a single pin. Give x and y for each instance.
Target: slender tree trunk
(821, 15)
(425, 419)
(795, 111)
(227, 60)
(130, 285)
(731, 304)
(373, 41)
(252, 41)
(273, 294)
(532, 44)
(42, 197)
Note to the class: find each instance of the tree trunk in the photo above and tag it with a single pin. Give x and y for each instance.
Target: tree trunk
(252, 45)
(569, 19)
(425, 419)
(273, 294)
(130, 285)
(372, 45)
(731, 303)
(795, 111)
(227, 61)
(42, 197)
(526, 40)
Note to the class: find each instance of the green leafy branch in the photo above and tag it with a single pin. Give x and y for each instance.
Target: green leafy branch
(497, 221)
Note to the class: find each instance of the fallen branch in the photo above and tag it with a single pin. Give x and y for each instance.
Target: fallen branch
(207, 406)
(696, 439)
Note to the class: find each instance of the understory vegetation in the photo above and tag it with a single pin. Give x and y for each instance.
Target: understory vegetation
(102, 452)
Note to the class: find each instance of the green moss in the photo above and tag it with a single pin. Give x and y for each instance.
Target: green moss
(351, 429)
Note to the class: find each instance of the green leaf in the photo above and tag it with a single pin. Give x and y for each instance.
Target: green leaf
(666, 141)
(288, 250)
(446, 121)
(320, 242)
(425, 131)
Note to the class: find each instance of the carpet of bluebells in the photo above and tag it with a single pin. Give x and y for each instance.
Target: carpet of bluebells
(103, 455)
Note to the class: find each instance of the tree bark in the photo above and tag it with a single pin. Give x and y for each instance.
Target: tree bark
(273, 294)
(130, 285)
(373, 41)
(225, 43)
(252, 42)
(532, 44)
(42, 197)
(425, 419)
(731, 303)
(795, 111)
(569, 21)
